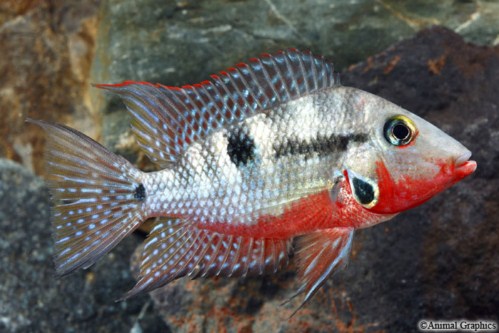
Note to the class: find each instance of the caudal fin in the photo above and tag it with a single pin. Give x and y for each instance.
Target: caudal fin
(97, 196)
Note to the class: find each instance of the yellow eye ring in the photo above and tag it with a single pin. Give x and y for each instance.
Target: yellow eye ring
(399, 130)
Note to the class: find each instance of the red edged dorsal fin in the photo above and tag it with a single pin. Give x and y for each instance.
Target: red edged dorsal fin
(319, 254)
(166, 120)
(177, 248)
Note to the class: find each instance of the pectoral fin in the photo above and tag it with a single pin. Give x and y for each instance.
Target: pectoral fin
(319, 254)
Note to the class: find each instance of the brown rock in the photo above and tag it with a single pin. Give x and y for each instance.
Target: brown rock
(47, 49)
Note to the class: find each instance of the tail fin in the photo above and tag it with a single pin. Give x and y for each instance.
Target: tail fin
(97, 196)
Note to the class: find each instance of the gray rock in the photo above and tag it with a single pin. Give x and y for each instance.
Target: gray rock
(32, 298)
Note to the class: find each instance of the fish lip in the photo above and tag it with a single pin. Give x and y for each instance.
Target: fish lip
(465, 169)
(464, 166)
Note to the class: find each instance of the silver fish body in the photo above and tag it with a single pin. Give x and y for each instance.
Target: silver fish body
(252, 168)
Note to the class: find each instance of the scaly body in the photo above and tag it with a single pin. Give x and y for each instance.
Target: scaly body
(242, 174)
(256, 157)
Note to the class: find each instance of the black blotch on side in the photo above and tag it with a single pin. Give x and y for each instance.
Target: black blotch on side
(140, 192)
(322, 145)
(241, 147)
(363, 191)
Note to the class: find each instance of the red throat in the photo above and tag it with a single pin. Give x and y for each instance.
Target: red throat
(397, 195)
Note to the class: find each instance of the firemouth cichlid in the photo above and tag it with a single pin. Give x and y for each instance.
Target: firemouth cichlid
(263, 154)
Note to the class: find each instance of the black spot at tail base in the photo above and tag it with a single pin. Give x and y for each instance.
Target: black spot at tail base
(241, 147)
(140, 192)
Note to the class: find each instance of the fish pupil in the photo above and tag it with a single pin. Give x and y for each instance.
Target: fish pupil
(240, 147)
(364, 191)
(401, 132)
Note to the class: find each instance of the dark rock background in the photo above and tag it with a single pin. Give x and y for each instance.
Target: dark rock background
(437, 261)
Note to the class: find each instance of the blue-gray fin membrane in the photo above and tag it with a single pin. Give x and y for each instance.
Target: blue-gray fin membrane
(96, 195)
(176, 248)
(166, 120)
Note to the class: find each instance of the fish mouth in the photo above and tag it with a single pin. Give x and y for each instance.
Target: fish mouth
(464, 166)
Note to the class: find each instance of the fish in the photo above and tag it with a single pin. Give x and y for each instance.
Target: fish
(268, 158)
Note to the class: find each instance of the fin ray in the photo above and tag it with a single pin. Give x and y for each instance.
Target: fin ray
(319, 254)
(177, 248)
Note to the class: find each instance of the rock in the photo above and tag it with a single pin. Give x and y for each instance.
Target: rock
(32, 298)
(47, 49)
(437, 261)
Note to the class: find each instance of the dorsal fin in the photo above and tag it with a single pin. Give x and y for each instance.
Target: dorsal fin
(166, 120)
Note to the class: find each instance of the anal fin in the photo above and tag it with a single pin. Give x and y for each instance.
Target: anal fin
(319, 254)
(177, 248)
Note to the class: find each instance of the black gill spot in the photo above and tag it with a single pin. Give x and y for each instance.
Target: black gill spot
(241, 147)
(322, 145)
(140, 192)
(363, 191)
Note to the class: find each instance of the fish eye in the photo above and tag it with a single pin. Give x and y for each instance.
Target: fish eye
(399, 130)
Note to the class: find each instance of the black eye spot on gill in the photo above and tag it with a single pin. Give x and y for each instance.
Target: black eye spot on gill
(140, 192)
(363, 191)
(241, 147)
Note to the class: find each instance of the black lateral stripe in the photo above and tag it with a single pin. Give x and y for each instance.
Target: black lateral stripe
(322, 145)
